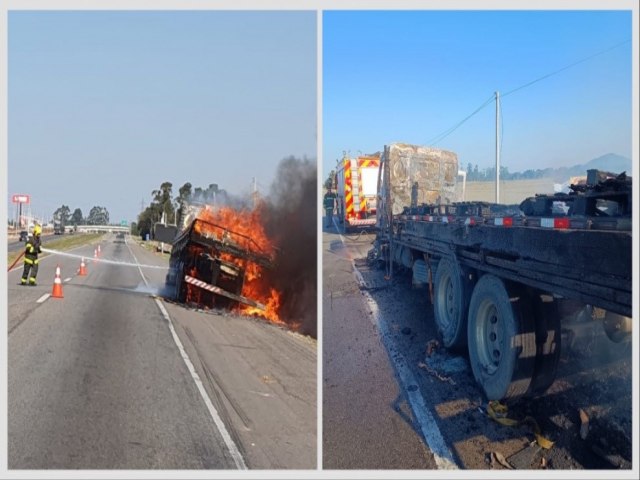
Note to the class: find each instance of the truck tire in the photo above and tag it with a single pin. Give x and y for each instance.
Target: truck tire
(502, 340)
(451, 298)
(548, 336)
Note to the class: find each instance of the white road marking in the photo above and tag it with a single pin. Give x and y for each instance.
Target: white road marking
(428, 425)
(67, 279)
(215, 416)
(43, 298)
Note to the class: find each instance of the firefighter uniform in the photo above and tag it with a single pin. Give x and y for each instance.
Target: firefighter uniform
(329, 205)
(32, 249)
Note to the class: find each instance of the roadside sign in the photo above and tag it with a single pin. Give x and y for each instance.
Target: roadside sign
(123, 223)
(19, 198)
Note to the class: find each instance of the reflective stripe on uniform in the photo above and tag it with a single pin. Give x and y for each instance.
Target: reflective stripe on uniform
(29, 261)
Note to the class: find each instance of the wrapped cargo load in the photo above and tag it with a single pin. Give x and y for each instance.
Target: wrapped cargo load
(419, 175)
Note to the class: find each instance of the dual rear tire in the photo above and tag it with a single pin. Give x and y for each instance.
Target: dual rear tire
(512, 332)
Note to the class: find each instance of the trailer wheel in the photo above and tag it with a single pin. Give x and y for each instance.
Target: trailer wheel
(450, 304)
(547, 324)
(502, 340)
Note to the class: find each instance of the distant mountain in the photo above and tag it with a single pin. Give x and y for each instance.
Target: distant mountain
(610, 162)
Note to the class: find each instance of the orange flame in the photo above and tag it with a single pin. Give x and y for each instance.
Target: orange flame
(255, 287)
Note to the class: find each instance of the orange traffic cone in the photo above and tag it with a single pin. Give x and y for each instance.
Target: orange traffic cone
(99, 250)
(95, 255)
(83, 269)
(57, 285)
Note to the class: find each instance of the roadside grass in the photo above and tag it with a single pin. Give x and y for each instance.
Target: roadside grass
(65, 242)
(153, 246)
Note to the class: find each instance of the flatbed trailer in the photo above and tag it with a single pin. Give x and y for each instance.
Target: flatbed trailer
(501, 279)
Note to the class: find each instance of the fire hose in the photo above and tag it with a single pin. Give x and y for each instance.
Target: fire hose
(15, 261)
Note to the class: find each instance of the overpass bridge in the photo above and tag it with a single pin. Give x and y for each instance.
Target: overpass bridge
(102, 228)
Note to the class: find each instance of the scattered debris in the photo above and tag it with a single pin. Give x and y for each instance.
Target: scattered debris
(498, 412)
(524, 459)
(498, 457)
(436, 374)
(446, 363)
(432, 346)
(267, 379)
(584, 424)
(406, 331)
(543, 463)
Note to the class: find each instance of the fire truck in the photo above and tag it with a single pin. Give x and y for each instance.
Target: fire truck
(356, 183)
(504, 279)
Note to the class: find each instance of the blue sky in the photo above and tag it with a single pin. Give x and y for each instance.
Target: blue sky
(105, 106)
(408, 76)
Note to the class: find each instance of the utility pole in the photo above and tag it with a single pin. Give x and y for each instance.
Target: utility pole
(497, 147)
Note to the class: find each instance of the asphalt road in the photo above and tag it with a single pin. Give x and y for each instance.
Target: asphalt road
(97, 380)
(447, 410)
(368, 422)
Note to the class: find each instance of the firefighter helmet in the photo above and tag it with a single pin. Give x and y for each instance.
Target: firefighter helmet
(37, 230)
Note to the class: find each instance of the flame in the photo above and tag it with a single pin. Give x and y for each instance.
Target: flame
(255, 286)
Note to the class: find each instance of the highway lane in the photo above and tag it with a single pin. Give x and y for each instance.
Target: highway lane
(368, 422)
(96, 380)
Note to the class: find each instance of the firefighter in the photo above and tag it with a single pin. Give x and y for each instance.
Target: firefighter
(32, 249)
(329, 205)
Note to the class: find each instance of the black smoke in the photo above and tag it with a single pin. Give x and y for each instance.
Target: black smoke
(291, 221)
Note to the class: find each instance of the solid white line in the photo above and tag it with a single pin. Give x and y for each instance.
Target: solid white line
(222, 429)
(43, 298)
(428, 425)
(67, 279)
(231, 445)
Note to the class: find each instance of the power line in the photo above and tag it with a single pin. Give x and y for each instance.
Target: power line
(565, 68)
(449, 131)
(441, 136)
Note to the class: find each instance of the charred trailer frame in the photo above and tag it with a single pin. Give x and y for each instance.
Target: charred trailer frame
(503, 276)
(203, 256)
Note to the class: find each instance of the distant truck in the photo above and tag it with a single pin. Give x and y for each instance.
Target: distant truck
(356, 182)
(58, 227)
(502, 277)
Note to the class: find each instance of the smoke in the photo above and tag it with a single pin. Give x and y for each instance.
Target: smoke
(290, 220)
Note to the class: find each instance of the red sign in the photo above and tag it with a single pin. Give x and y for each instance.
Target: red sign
(21, 199)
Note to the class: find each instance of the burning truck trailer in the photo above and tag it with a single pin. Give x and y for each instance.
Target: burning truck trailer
(503, 279)
(210, 263)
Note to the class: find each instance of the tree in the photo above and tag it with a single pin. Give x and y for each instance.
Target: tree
(329, 182)
(62, 214)
(163, 199)
(77, 218)
(98, 216)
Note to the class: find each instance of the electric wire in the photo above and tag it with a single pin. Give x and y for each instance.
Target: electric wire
(438, 138)
(441, 136)
(555, 72)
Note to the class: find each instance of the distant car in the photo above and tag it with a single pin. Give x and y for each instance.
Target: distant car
(24, 235)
